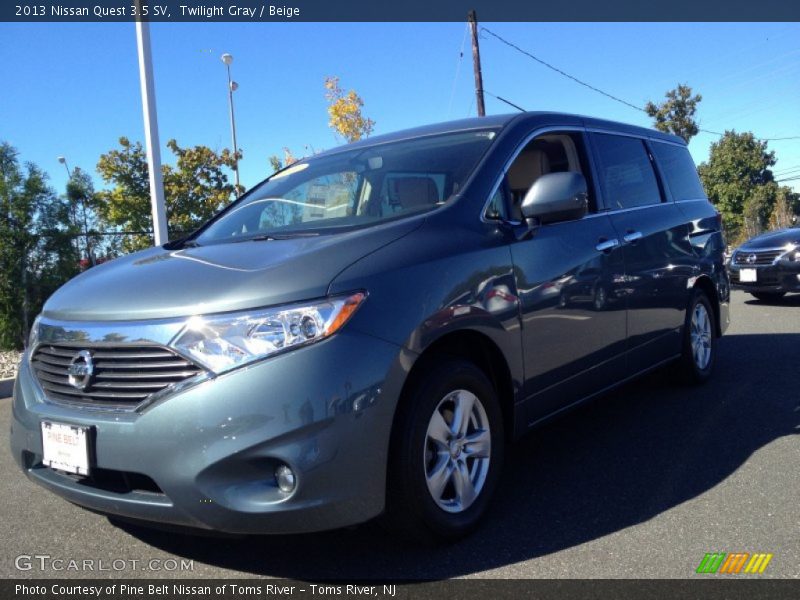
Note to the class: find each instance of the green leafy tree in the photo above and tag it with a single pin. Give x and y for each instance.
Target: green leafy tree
(36, 251)
(83, 205)
(738, 179)
(676, 114)
(195, 189)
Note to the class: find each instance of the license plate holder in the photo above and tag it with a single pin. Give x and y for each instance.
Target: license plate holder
(65, 447)
(748, 275)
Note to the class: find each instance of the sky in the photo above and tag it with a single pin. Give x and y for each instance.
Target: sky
(73, 89)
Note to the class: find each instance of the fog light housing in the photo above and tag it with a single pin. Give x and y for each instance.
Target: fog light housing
(284, 477)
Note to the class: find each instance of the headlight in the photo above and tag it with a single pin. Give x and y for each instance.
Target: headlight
(33, 335)
(224, 342)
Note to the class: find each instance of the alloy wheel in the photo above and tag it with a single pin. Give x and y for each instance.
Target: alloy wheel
(700, 335)
(457, 451)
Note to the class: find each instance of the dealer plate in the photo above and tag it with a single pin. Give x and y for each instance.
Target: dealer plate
(65, 447)
(748, 275)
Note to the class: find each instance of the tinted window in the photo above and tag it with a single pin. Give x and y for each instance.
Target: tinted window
(354, 187)
(679, 170)
(625, 173)
(549, 153)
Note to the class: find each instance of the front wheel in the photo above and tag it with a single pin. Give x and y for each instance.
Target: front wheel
(768, 296)
(699, 340)
(447, 453)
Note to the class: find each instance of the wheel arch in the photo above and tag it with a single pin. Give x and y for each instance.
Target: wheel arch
(707, 286)
(477, 348)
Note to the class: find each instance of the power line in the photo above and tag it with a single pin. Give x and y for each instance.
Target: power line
(560, 72)
(519, 108)
(599, 91)
(458, 70)
(760, 139)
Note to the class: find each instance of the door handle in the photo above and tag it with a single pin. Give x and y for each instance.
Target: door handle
(632, 236)
(607, 245)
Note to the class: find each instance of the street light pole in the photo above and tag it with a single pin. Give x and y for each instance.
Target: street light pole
(232, 87)
(63, 161)
(151, 133)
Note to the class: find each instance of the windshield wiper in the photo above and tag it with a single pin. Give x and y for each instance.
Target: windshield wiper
(272, 237)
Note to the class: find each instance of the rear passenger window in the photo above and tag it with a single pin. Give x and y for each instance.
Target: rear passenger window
(678, 167)
(626, 175)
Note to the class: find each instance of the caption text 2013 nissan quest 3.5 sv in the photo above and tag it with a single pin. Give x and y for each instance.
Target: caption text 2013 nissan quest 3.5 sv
(365, 331)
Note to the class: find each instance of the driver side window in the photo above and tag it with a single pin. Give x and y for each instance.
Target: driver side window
(548, 153)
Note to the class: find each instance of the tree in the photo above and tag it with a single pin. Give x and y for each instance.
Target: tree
(736, 177)
(277, 163)
(676, 113)
(195, 189)
(783, 212)
(83, 205)
(344, 112)
(36, 252)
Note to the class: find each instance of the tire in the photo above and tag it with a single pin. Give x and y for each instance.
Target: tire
(428, 497)
(699, 352)
(768, 296)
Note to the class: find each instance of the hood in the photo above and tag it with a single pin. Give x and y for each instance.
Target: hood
(158, 283)
(773, 239)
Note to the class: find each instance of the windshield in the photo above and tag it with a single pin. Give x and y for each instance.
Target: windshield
(354, 188)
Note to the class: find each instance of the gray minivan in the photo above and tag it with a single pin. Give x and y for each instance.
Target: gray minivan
(367, 330)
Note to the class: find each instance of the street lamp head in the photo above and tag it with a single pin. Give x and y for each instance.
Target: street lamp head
(234, 86)
(227, 58)
(62, 160)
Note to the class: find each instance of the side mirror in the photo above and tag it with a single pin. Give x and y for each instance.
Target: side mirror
(556, 197)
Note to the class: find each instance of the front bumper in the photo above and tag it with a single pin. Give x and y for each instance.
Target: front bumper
(783, 276)
(326, 410)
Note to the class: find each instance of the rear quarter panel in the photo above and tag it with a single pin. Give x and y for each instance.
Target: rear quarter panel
(705, 235)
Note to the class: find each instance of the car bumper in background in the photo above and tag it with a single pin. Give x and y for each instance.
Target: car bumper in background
(783, 276)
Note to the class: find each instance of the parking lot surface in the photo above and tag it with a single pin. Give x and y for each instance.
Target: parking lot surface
(641, 483)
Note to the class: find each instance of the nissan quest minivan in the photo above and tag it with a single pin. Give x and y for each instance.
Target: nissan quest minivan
(368, 330)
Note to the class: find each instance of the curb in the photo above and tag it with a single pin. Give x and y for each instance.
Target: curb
(6, 387)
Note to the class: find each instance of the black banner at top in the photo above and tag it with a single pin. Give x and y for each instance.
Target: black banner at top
(397, 10)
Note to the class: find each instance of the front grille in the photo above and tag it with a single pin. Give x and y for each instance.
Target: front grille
(123, 376)
(118, 482)
(762, 257)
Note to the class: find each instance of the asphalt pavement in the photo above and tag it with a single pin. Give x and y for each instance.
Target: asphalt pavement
(639, 484)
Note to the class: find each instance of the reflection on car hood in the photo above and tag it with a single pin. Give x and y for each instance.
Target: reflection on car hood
(773, 239)
(158, 283)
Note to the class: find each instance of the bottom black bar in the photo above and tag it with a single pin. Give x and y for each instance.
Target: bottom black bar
(733, 588)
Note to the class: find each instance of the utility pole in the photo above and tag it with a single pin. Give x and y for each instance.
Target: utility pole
(472, 17)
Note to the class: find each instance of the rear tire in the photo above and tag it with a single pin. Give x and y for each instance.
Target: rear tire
(446, 454)
(768, 296)
(699, 340)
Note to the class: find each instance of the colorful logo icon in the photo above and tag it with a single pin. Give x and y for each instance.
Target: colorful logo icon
(734, 562)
